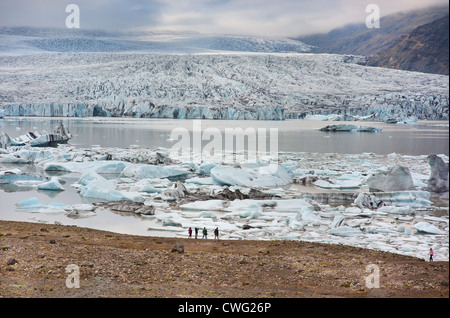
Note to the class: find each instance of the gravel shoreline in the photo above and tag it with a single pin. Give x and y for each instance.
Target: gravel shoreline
(34, 258)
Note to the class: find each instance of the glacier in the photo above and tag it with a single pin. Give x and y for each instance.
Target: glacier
(219, 84)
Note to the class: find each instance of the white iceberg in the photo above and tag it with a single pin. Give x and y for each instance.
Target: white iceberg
(101, 166)
(429, 228)
(251, 177)
(104, 190)
(338, 184)
(205, 168)
(200, 181)
(288, 205)
(98, 187)
(345, 231)
(33, 205)
(148, 171)
(53, 185)
(396, 209)
(306, 214)
(208, 205)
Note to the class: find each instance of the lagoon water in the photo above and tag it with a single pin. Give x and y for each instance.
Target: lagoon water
(422, 138)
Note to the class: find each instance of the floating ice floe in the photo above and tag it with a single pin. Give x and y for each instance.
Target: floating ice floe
(205, 168)
(95, 186)
(345, 231)
(17, 176)
(412, 199)
(397, 179)
(100, 166)
(330, 117)
(428, 228)
(405, 210)
(148, 171)
(33, 205)
(350, 128)
(53, 185)
(252, 177)
(349, 181)
(209, 205)
(201, 181)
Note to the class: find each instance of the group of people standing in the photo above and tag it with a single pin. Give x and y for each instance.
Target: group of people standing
(205, 233)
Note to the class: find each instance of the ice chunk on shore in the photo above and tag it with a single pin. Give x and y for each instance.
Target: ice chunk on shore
(429, 228)
(251, 177)
(53, 185)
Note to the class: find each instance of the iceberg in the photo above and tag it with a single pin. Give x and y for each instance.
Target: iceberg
(96, 186)
(208, 205)
(428, 228)
(33, 205)
(350, 128)
(251, 177)
(288, 205)
(344, 231)
(342, 182)
(101, 166)
(205, 168)
(17, 176)
(307, 215)
(397, 179)
(201, 181)
(53, 185)
(396, 209)
(105, 191)
(439, 178)
(330, 117)
(140, 171)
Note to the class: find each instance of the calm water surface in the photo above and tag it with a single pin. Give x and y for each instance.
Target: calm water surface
(422, 138)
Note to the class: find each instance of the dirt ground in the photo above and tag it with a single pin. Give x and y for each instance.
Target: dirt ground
(34, 259)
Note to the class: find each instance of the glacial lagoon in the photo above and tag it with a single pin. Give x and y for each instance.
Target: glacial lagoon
(338, 156)
(423, 137)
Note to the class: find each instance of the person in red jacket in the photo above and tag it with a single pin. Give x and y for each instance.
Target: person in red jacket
(431, 254)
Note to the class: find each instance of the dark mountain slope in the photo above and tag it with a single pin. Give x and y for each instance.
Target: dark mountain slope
(425, 49)
(359, 40)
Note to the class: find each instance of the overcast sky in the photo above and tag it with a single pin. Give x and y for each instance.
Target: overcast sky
(249, 17)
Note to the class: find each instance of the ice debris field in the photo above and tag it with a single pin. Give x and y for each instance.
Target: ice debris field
(394, 203)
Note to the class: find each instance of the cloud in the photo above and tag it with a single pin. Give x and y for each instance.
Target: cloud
(98, 14)
(253, 17)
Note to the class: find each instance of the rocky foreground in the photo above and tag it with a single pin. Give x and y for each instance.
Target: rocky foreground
(34, 259)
